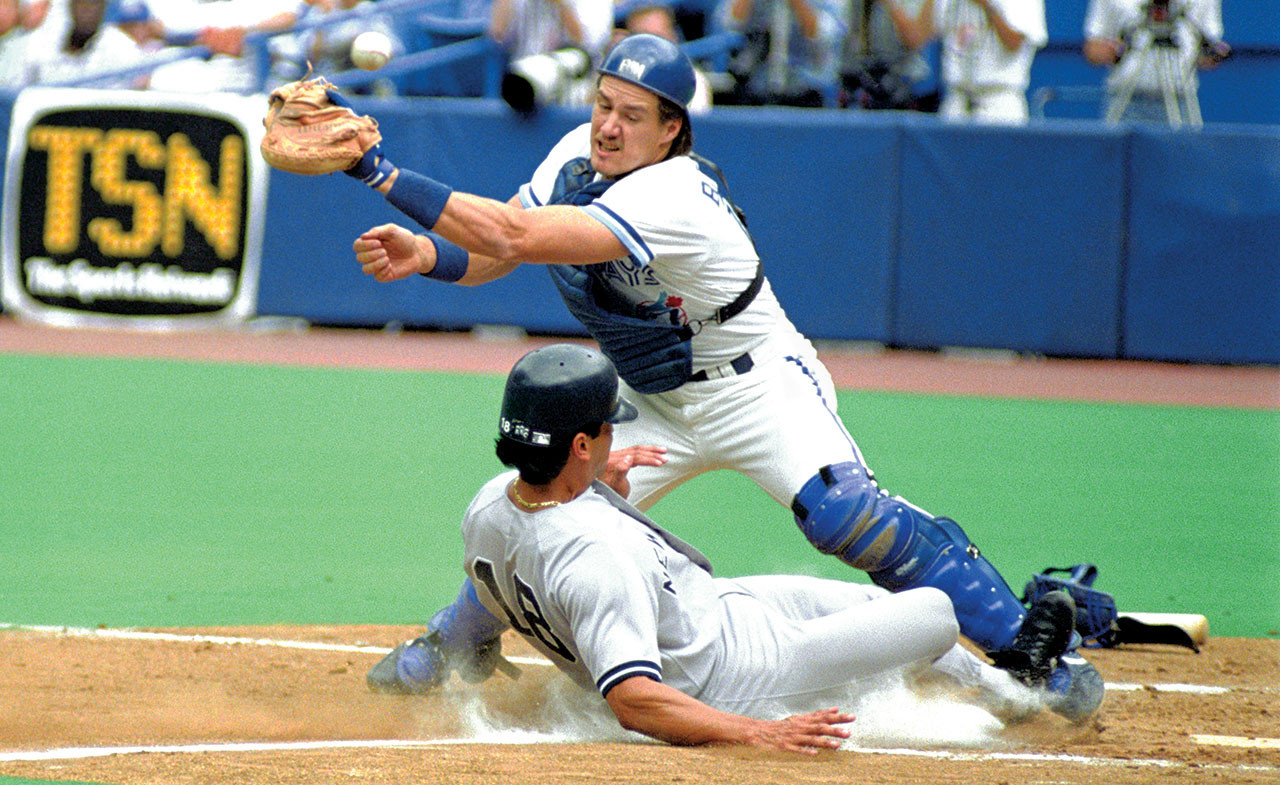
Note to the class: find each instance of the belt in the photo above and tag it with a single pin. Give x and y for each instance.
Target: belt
(735, 367)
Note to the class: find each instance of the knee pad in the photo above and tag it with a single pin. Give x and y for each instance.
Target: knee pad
(844, 513)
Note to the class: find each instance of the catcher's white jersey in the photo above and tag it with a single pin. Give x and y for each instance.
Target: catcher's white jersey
(776, 423)
(687, 249)
(606, 595)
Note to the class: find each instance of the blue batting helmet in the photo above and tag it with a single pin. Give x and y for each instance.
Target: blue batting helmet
(558, 391)
(654, 63)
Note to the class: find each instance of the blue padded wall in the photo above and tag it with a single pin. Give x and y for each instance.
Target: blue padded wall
(1065, 237)
(1203, 281)
(1011, 238)
(474, 146)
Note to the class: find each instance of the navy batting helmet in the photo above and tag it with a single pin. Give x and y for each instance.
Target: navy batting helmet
(654, 63)
(558, 391)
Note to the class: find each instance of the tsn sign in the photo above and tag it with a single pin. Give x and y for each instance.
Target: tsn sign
(132, 208)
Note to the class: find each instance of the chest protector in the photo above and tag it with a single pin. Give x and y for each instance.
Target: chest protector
(653, 353)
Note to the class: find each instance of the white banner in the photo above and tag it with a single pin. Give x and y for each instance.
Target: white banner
(133, 208)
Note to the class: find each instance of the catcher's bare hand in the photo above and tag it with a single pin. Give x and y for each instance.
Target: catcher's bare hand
(624, 460)
(390, 253)
(806, 733)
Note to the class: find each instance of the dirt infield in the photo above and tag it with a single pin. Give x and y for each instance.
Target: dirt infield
(182, 709)
(105, 696)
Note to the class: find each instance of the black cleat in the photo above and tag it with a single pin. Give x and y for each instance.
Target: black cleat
(1045, 635)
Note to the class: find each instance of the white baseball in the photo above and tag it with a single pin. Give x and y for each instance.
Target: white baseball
(371, 50)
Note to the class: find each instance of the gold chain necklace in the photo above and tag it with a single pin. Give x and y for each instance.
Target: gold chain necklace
(529, 505)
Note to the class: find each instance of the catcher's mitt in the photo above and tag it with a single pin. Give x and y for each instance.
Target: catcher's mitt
(307, 133)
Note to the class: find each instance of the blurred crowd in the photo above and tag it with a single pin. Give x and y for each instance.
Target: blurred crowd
(964, 59)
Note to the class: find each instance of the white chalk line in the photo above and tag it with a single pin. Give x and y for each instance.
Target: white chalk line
(73, 753)
(221, 640)
(81, 753)
(1257, 742)
(225, 640)
(1193, 689)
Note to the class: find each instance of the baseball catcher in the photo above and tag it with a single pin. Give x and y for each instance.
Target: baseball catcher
(645, 248)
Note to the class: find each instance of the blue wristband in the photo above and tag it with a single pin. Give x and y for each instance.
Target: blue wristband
(419, 197)
(451, 260)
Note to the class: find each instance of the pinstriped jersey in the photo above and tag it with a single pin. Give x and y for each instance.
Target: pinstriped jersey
(688, 254)
(597, 591)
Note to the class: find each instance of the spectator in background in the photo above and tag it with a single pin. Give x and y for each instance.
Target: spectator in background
(328, 48)
(527, 28)
(10, 17)
(135, 19)
(222, 26)
(1131, 36)
(987, 50)
(533, 27)
(880, 71)
(792, 52)
(91, 44)
(658, 18)
(18, 21)
(692, 18)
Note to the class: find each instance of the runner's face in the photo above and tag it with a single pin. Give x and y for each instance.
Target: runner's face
(601, 445)
(627, 131)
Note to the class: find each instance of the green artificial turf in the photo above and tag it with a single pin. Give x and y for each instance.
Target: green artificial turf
(163, 493)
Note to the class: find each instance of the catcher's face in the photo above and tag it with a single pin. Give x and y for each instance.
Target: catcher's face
(627, 130)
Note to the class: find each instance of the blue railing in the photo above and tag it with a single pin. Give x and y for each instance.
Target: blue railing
(256, 43)
(427, 18)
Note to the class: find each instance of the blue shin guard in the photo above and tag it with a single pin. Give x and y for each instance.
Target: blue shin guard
(462, 636)
(844, 513)
(465, 629)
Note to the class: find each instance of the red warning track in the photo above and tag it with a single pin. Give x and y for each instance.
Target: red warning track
(966, 373)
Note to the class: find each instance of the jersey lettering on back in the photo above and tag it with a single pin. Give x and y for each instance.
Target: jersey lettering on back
(536, 625)
(660, 550)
